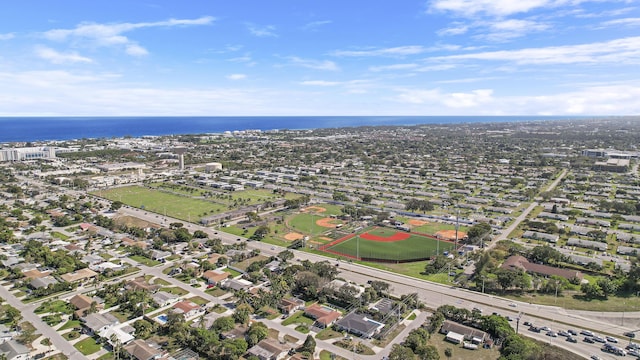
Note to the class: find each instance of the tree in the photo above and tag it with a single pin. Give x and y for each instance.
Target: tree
(286, 255)
(545, 254)
(506, 278)
(366, 198)
(261, 232)
(436, 265)
(223, 324)
(479, 231)
(116, 205)
(591, 291)
(241, 315)
(607, 286)
(257, 332)
(309, 345)
(399, 352)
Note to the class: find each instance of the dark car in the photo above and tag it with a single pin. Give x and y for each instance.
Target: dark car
(527, 323)
(571, 339)
(572, 332)
(630, 334)
(563, 333)
(588, 340)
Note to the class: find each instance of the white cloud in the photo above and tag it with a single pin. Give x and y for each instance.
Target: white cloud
(622, 22)
(262, 31)
(320, 83)
(489, 7)
(394, 51)
(594, 100)
(450, 100)
(512, 28)
(237, 76)
(111, 34)
(313, 64)
(458, 29)
(56, 57)
(393, 67)
(314, 25)
(625, 50)
(7, 36)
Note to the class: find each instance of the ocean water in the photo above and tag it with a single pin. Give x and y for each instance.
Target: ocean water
(17, 129)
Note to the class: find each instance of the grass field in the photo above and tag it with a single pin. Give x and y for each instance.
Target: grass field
(433, 227)
(180, 207)
(306, 224)
(415, 247)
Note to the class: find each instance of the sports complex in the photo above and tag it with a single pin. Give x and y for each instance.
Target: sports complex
(387, 245)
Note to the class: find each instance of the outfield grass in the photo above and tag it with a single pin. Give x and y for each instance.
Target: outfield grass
(415, 247)
(306, 224)
(433, 227)
(180, 207)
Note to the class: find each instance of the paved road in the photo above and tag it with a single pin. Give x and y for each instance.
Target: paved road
(27, 311)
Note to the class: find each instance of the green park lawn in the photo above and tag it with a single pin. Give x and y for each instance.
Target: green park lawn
(180, 207)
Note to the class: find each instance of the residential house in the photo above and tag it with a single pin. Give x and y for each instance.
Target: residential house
(237, 284)
(535, 235)
(97, 323)
(188, 308)
(215, 277)
(597, 245)
(37, 273)
(287, 306)
(517, 262)
(268, 349)
(323, 315)
(474, 335)
(42, 282)
(6, 334)
(82, 303)
(13, 350)
(163, 299)
(159, 255)
(79, 276)
(359, 324)
(140, 283)
(141, 350)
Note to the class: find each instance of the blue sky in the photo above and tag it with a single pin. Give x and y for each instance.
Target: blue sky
(329, 57)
